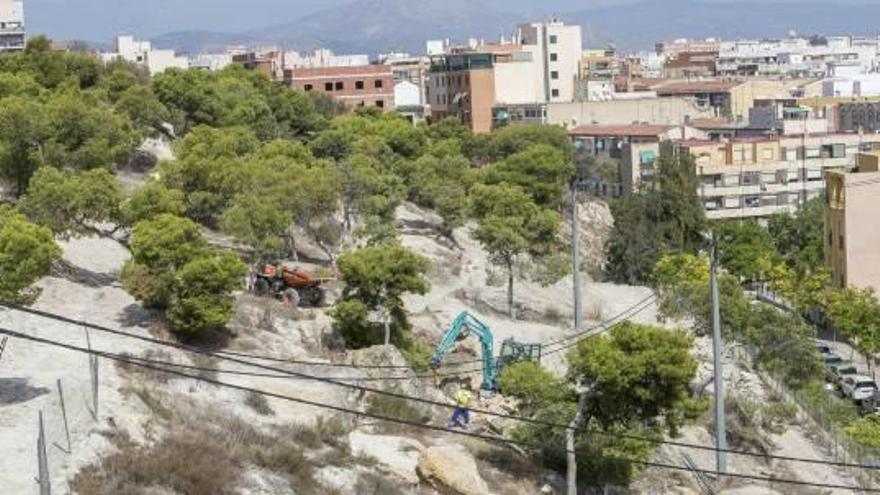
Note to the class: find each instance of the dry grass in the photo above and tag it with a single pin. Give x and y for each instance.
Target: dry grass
(206, 454)
(186, 462)
(141, 373)
(259, 403)
(595, 312)
(393, 407)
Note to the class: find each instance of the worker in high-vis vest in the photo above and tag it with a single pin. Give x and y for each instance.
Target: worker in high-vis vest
(461, 414)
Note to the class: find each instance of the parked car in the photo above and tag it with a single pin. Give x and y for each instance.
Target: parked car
(859, 387)
(831, 359)
(838, 371)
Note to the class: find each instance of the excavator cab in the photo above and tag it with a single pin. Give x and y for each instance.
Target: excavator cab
(514, 352)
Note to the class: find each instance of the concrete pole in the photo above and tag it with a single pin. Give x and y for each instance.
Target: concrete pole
(571, 454)
(720, 423)
(575, 258)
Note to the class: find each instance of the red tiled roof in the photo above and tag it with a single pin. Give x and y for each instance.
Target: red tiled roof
(635, 130)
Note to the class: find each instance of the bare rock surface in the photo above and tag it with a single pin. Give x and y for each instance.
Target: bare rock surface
(451, 469)
(397, 455)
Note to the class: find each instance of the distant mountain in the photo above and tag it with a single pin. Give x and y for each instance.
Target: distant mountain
(363, 26)
(205, 41)
(646, 22)
(385, 25)
(374, 26)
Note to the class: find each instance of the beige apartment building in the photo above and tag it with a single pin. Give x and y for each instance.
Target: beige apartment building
(762, 176)
(852, 232)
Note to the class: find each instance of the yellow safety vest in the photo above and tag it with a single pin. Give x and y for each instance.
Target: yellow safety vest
(463, 398)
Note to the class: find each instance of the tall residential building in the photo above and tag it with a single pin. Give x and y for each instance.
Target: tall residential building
(12, 35)
(852, 233)
(462, 85)
(556, 49)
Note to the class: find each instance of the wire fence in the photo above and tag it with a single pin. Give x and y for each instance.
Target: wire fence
(68, 415)
(836, 443)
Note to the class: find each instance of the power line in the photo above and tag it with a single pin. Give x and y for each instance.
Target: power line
(84, 323)
(416, 424)
(153, 365)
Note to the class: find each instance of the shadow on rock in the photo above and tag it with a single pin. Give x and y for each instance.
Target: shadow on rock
(17, 390)
(135, 315)
(78, 275)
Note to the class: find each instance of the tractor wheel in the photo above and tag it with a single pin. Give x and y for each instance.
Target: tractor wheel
(261, 287)
(318, 296)
(292, 298)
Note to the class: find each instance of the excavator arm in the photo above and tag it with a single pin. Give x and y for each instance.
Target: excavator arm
(467, 322)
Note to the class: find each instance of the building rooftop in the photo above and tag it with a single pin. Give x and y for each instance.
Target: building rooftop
(695, 87)
(340, 71)
(715, 123)
(633, 130)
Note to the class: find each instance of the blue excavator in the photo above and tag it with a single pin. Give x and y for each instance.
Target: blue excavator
(511, 350)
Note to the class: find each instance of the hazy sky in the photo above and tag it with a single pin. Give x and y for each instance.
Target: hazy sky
(99, 20)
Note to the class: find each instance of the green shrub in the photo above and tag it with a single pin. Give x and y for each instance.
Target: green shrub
(866, 431)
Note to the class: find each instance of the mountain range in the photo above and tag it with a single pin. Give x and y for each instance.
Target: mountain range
(376, 26)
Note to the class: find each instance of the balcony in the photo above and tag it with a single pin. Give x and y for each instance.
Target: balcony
(749, 212)
(708, 190)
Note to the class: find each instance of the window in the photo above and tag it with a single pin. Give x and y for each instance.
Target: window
(340, 85)
(378, 83)
(555, 93)
(380, 103)
(358, 85)
(554, 57)
(308, 87)
(554, 75)
(553, 39)
(328, 86)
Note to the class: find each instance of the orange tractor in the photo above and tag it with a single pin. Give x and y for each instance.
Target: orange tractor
(295, 286)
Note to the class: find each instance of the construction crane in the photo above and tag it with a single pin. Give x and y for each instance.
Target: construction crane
(511, 351)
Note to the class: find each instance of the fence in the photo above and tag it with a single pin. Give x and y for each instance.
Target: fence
(837, 444)
(65, 419)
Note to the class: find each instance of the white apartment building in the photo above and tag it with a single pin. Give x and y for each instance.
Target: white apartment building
(323, 58)
(796, 56)
(210, 61)
(141, 52)
(12, 34)
(556, 52)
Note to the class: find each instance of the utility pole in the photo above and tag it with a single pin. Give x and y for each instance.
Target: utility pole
(575, 257)
(720, 424)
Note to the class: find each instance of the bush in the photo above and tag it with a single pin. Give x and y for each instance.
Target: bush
(866, 431)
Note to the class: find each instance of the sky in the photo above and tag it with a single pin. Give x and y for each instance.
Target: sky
(100, 20)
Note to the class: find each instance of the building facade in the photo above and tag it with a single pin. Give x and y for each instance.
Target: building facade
(12, 33)
(358, 86)
(796, 56)
(142, 53)
(762, 176)
(462, 85)
(852, 233)
(556, 52)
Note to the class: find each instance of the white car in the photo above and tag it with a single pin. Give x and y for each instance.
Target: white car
(858, 387)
